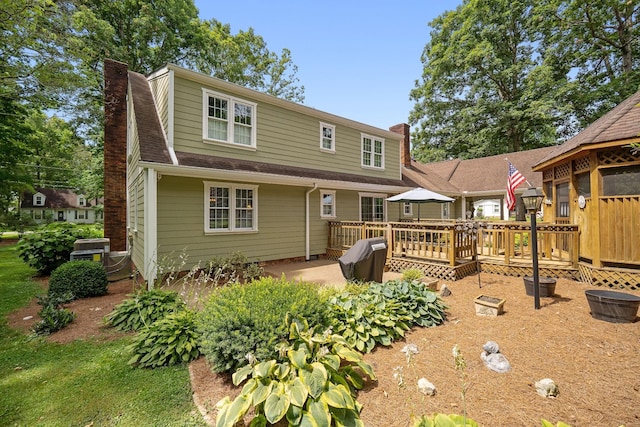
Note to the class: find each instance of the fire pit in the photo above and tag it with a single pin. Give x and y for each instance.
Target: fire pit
(611, 306)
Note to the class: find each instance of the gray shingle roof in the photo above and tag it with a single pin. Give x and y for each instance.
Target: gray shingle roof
(621, 123)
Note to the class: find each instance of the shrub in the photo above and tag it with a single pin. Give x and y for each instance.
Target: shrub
(144, 308)
(249, 319)
(315, 386)
(233, 269)
(54, 317)
(452, 420)
(411, 274)
(168, 341)
(83, 279)
(383, 312)
(47, 249)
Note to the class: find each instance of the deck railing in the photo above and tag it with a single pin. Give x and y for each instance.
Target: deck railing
(454, 242)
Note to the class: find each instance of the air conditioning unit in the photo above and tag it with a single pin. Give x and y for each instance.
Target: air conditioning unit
(86, 244)
(96, 255)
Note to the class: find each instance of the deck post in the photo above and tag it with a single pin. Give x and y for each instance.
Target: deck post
(452, 246)
(389, 241)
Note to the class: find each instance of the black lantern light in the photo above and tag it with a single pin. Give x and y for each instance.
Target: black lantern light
(532, 198)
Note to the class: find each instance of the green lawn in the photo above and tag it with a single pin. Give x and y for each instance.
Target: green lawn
(82, 383)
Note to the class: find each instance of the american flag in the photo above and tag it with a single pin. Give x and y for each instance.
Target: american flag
(514, 180)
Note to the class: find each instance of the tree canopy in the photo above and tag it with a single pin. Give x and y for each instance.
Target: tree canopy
(502, 76)
(51, 58)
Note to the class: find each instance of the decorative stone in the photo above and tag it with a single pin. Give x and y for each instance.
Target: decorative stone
(445, 291)
(431, 284)
(493, 359)
(489, 306)
(547, 388)
(426, 387)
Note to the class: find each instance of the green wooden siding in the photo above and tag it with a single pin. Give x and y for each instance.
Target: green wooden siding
(136, 208)
(281, 223)
(279, 131)
(160, 88)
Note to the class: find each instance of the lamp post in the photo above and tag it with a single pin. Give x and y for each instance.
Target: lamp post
(532, 198)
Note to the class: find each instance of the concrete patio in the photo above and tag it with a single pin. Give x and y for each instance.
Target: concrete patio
(322, 271)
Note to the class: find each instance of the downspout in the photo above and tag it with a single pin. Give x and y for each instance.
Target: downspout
(307, 227)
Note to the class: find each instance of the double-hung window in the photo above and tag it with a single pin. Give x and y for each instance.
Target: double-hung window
(407, 209)
(372, 207)
(229, 120)
(327, 137)
(230, 207)
(372, 152)
(327, 204)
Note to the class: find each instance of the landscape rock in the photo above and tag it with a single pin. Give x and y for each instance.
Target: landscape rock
(547, 388)
(426, 387)
(493, 359)
(445, 291)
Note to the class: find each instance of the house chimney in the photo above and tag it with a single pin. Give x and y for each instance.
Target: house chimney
(116, 82)
(405, 155)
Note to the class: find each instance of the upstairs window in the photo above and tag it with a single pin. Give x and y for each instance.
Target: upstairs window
(408, 211)
(82, 201)
(229, 120)
(327, 137)
(230, 207)
(38, 200)
(328, 204)
(372, 152)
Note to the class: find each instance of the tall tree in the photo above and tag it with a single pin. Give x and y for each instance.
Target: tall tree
(485, 89)
(598, 41)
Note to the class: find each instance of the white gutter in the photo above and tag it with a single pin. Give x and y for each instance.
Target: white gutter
(268, 178)
(307, 230)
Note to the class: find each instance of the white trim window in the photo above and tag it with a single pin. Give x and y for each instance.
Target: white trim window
(230, 207)
(407, 209)
(82, 201)
(228, 120)
(327, 204)
(38, 200)
(372, 207)
(372, 152)
(327, 137)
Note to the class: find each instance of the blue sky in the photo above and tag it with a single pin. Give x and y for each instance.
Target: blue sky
(356, 59)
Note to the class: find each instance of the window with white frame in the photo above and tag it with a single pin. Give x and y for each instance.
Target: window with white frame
(38, 200)
(372, 207)
(229, 120)
(327, 204)
(408, 211)
(82, 201)
(327, 137)
(230, 207)
(372, 152)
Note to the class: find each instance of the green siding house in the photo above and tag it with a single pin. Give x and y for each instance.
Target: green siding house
(200, 165)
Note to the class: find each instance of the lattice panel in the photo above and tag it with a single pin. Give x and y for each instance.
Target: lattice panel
(438, 271)
(562, 171)
(547, 175)
(334, 254)
(581, 164)
(613, 279)
(521, 271)
(613, 157)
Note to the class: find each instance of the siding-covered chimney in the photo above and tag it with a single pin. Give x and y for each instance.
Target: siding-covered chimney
(115, 153)
(405, 154)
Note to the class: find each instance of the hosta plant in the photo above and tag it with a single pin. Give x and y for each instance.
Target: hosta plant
(53, 316)
(315, 386)
(169, 341)
(442, 420)
(383, 312)
(142, 309)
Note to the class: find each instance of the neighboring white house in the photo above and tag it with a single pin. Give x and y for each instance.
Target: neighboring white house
(50, 205)
(487, 208)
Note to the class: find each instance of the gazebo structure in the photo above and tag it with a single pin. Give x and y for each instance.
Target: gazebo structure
(593, 180)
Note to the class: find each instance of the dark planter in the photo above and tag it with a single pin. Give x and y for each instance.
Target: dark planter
(547, 286)
(611, 306)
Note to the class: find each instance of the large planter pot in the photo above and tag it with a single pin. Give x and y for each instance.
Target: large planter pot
(612, 306)
(547, 286)
(489, 306)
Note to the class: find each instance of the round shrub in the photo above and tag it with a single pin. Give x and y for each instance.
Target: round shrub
(239, 320)
(142, 309)
(83, 279)
(168, 341)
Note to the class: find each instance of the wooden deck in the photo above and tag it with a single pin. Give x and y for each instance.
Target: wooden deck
(451, 250)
